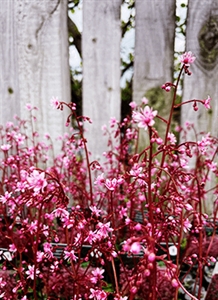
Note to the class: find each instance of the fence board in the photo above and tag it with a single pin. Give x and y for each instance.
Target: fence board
(154, 51)
(202, 40)
(34, 61)
(101, 68)
(154, 45)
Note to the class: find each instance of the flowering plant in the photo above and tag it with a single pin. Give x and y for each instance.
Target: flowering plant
(80, 230)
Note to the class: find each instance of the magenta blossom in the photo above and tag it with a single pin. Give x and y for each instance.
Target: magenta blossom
(37, 181)
(135, 248)
(98, 294)
(97, 275)
(207, 102)
(31, 272)
(111, 184)
(145, 117)
(5, 147)
(55, 103)
(70, 255)
(187, 58)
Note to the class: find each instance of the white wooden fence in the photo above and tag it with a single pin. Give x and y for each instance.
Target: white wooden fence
(34, 60)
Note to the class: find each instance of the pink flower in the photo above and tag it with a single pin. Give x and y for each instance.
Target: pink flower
(55, 103)
(98, 294)
(204, 143)
(207, 102)
(28, 106)
(31, 272)
(69, 255)
(97, 275)
(100, 179)
(187, 225)
(188, 207)
(135, 248)
(48, 250)
(19, 138)
(174, 283)
(144, 100)
(95, 211)
(5, 147)
(138, 227)
(4, 199)
(61, 213)
(54, 267)
(33, 226)
(103, 231)
(39, 256)
(145, 117)
(133, 104)
(151, 257)
(37, 181)
(111, 184)
(187, 58)
(113, 122)
(12, 248)
(122, 212)
(159, 141)
(2, 282)
(171, 138)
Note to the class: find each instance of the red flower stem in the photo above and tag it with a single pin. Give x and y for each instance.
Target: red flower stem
(115, 277)
(200, 258)
(170, 116)
(35, 248)
(112, 210)
(85, 147)
(153, 281)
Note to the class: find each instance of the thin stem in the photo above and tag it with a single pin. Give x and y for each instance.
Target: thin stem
(171, 115)
(153, 280)
(115, 277)
(35, 250)
(85, 147)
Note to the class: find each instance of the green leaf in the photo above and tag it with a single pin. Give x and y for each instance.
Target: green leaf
(84, 264)
(108, 288)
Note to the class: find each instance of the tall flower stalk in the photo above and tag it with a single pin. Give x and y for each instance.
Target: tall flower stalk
(75, 229)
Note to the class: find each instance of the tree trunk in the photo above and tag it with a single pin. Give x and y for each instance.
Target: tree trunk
(154, 53)
(202, 40)
(101, 69)
(34, 62)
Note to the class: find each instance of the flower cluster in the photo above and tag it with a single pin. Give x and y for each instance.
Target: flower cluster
(75, 229)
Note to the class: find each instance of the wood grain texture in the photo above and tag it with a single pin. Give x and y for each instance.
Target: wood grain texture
(202, 40)
(203, 81)
(154, 45)
(34, 61)
(101, 69)
(153, 62)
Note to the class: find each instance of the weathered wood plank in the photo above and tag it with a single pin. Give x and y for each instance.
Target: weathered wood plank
(154, 45)
(34, 64)
(154, 52)
(202, 40)
(101, 69)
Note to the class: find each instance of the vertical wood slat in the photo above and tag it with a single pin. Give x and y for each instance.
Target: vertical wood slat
(9, 81)
(154, 45)
(202, 40)
(101, 69)
(153, 62)
(34, 62)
